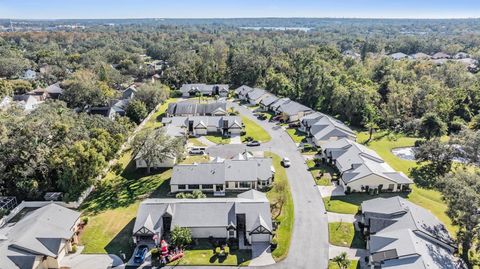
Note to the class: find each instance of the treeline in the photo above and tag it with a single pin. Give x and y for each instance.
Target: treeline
(55, 149)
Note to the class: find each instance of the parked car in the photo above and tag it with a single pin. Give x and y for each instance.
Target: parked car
(286, 162)
(140, 254)
(253, 143)
(262, 117)
(196, 151)
(294, 125)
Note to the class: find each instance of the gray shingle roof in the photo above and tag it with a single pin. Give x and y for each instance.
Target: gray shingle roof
(268, 99)
(38, 233)
(256, 94)
(193, 109)
(293, 108)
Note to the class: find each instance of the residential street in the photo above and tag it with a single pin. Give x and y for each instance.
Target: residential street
(309, 247)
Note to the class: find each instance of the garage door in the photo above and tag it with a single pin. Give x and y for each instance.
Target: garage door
(260, 237)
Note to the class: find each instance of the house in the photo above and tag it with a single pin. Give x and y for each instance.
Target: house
(40, 94)
(167, 162)
(420, 56)
(255, 96)
(26, 102)
(293, 111)
(362, 169)
(403, 235)
(280, 102)
(196, 109)
(54, 91)
(241, 92)
(40, 239)
(461, 55)
(243, 172)
(108, 112)
(246, 217)
(29, 75)
(307, 121)
(129, 92)
(120, 106)
(327, 129)
(399, 56)
(267, 100)
(189, 90)
(441, 55)
(203, 125)
(351, 54)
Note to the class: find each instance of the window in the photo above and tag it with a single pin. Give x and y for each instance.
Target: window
(182, 187)
(245, 184)
(207, 186)
(231, 233)
(194, 187)
(391, 187)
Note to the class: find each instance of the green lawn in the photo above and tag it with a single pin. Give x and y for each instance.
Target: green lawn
(203, 254)
(296, 135)
(343, 234)
(196, 159)
(285, 219)
(383, 143)
(328, 173)
(354, 264)
(156, 120)
(218, 139)
(196, 142)
(255, 131)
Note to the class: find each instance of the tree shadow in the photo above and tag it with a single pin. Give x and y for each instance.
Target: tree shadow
(122, 242)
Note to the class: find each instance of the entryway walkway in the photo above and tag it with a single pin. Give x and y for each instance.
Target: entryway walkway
(235, 139)
(332, 190)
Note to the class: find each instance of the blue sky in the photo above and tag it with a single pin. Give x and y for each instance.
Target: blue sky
(58, 9)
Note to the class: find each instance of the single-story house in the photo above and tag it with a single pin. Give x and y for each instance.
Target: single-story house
(255, 96)
(203, 125)
(441, 55)
(40, 239)
(351, 54)
(327, 129)
(27, 102)
(129, 92)
(420, 56)
(267, 100)
(168, 162)
(189, 90)
(107, 112)
(29, 75)
(54, 91)
(461, 55)
(245, 216)
(293, 111)
(241, 92)
(280, 102)
(399, 56)
(362, 169)
(307, 121)
(243, 172)
(196, 109)
(403, 235)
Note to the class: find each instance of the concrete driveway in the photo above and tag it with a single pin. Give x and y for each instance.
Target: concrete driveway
(89, 261)
(261, 255)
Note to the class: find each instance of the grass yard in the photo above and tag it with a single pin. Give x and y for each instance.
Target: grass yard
(296, 135)
(196, 159)
(343, 234)
(354, 264)
(203, 254)
(328, 172)
(218, 139)
(255, 131)
(285, 220)
(196, 142)
(383, 143)
(156, 118)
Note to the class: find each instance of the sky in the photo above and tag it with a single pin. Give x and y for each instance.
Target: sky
(98, 9)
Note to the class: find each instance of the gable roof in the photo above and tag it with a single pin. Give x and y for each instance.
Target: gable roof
(243, 90)
(256, 94)
(268, 99)
(293, 108)
(280, 102)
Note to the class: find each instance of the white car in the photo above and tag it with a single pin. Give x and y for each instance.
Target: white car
(196, 151)
(286, 162)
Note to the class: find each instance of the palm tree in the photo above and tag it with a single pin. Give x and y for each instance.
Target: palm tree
(342, 260)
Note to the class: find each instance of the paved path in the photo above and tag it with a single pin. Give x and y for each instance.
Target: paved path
(235, 139)
(332, 190)
(352, 253)
(205, 141)
(89, 261)
(261, 255)
(337, 217)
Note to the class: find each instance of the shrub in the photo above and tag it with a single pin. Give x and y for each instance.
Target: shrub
(117, 168)
(74, 249)
(85, 220)
(181, 236)
(348, 190)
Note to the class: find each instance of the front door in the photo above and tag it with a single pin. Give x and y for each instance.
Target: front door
(167, 224)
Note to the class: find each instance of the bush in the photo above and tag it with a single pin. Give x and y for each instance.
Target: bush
(348, 190)
(85, 220)
(74, 249)
(117, 168)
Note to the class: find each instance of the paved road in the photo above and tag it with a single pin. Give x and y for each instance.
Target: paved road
(309, 247)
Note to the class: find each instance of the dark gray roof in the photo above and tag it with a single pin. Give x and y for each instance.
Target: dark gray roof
(268, 99)
(40, 233)
(293, 108)
(189, 108)
(256, 94)
(275, 105)
(206, 212)
(243, 90)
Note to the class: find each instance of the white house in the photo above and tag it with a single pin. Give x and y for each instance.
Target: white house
(245, 216)
(203, 125)
(326, 129)
(362, 169)
(189, 90)
(40, 239)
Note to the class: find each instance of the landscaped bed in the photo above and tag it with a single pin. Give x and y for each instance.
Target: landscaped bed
(255, 131)
(218, 139)
(203, 253)
(296, 135)
(321, 173)
(354, 264)
(343, 234)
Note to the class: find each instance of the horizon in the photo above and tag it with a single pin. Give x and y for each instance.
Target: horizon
(247, 9)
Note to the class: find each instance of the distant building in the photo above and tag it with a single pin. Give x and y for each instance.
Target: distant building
(189, 90)
(441, 55)
(108, 112)
(203, 125)
(26, 102)
(29, 75)
(196, 109)
(399, 56)
(129, 93)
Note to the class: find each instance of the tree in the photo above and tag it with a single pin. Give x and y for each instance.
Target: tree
(475, 123)
(136, 111)
(342, 260)
(6, 88)
(196, 194)
(461, 192)
(438, 154)
(467, 145)
(83, 89)
(181, 236)
(152, 94)
(431, 126)
(154, 146)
